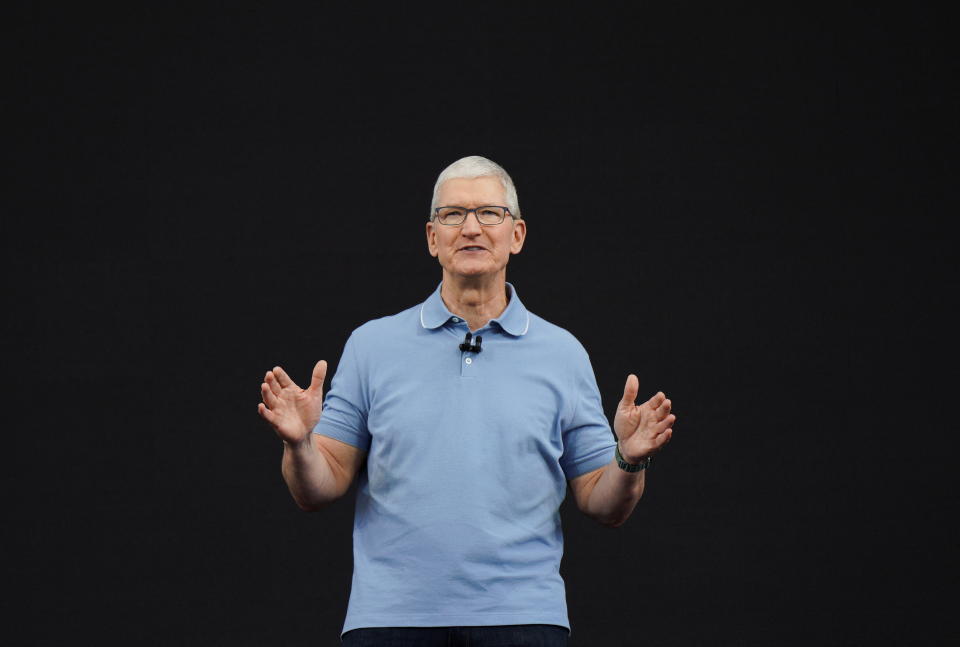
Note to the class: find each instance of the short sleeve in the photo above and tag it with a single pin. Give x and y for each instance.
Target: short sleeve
(345, 408)
(588, 441)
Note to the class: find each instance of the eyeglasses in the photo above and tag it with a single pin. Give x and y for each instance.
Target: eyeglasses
(487, 215)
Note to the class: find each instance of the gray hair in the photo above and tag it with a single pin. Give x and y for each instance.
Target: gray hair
(475, 166)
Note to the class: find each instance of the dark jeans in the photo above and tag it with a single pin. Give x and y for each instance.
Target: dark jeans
(492, 636)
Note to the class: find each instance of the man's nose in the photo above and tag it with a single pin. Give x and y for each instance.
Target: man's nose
(471, 226)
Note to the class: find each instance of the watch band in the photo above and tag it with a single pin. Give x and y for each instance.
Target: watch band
(631, 467)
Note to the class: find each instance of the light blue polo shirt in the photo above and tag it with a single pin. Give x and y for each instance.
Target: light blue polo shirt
(457, 513)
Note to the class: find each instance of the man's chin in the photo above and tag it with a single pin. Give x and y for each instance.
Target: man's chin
(472, 271)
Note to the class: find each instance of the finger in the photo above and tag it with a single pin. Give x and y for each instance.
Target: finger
(266, 414)
(664, 424)
(663, 409)
(630, 390)
(268, 396)
(656, 400)
(282, 377)
(663, 438)
(272, 382)
(319, 375)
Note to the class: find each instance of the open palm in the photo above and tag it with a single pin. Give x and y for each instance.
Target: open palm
(291, 411)
(645, 428)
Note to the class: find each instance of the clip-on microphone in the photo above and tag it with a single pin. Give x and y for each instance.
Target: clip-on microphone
(466, 345)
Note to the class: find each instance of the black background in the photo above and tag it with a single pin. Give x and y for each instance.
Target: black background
(745, 206)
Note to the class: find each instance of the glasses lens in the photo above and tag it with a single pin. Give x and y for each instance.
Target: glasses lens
(490, 215)
(451, 215)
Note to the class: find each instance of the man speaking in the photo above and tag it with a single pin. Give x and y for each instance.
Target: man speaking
(470, 414)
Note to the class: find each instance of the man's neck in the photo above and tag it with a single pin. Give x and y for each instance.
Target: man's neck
(477, 302)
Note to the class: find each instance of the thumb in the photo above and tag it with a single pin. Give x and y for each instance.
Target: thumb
(319, 375)
(630, 390)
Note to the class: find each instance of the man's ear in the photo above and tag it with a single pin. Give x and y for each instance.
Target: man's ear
(519, 235)
(431, 239)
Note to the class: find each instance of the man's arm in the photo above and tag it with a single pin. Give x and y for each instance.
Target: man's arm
(609, 494)
(319, 470)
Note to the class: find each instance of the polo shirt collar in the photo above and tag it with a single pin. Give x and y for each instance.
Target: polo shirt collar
(514, 320)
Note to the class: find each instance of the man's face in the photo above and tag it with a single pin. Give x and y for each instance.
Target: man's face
(449, 243)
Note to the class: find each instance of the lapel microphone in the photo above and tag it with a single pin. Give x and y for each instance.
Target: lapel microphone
(466, 345)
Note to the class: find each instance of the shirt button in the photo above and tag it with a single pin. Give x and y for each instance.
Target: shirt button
(468, 361)
(456, 320)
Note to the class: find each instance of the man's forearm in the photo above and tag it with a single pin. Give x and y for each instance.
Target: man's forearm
(309, 474)
(615, 494)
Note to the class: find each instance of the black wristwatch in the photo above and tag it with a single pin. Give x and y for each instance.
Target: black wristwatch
(631, 467)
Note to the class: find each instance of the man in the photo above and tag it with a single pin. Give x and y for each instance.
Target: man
(470, 414)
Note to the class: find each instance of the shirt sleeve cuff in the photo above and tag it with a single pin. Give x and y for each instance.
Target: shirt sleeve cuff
(591, 462)
(343, 433)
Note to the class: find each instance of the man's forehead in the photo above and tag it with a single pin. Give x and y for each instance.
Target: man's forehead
(485, 189)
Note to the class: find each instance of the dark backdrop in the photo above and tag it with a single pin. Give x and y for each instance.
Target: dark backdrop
(744, 206)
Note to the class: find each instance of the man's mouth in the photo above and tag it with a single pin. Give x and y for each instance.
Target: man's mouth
(473, 248)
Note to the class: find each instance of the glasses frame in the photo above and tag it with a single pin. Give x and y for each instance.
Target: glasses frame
(506, 212)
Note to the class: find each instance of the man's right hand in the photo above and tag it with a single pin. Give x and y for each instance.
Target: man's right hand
(291, 411)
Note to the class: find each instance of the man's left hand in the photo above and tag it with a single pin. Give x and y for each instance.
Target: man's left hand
(642, 429)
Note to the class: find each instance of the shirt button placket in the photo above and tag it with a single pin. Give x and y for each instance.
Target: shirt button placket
(468, 363)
